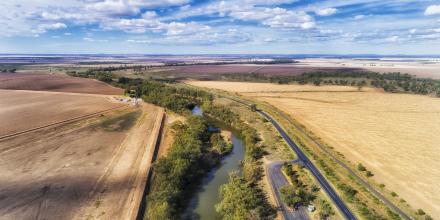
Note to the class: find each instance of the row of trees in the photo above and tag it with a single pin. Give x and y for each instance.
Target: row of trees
(390, 82)
(242, 197)
(262, 62)
(8, 70)
(194, 152)
(301, 193)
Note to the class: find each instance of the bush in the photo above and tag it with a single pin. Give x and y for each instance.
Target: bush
(326, 210)
(361, 167)
(420, 212)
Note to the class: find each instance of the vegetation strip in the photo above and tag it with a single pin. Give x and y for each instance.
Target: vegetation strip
(359, 179)
(324, 184)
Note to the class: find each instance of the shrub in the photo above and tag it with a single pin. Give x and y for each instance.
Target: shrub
(361, 167)
(420, 212)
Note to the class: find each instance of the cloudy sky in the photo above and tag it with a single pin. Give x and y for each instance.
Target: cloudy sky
(212, 26)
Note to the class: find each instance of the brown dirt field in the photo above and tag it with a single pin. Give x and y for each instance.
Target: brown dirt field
(393, 135)
(21, 110)
(84, 170)
(55, 82)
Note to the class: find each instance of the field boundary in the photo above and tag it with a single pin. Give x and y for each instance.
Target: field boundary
(145, 168)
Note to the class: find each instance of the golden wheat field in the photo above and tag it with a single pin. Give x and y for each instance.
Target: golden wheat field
(396, 136)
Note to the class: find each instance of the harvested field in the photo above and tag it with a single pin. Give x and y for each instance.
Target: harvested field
(94, 168)
(21, 110)
(393, 135)
(245, 87)
(55, 82)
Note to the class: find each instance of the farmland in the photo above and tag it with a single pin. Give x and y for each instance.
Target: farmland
(393, 135)
(55, 83)
(91, 168)
(20, 110)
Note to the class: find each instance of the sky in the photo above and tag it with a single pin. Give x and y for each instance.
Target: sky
(220, 27)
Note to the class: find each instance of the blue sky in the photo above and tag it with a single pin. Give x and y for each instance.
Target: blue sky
(229, 26)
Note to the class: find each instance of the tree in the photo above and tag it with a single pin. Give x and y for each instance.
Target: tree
(326, 210)
(317, 82)
(369, 173)
(241, 200)
(361, 167)
(420, 212)
(253, 107)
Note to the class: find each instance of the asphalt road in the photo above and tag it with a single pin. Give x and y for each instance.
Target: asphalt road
(308, 164)
(278, 180)
(359, 179)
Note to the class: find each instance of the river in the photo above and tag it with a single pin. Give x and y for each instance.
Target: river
(202, 205)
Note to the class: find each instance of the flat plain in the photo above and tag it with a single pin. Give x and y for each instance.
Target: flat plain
(21, 110)
(56, 83)
(393, 135)
(92, 168)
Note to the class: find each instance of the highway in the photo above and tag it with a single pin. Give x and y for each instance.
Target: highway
(309, 165)
(276, 181)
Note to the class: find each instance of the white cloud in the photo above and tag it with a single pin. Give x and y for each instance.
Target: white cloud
(432, 10)
(392, 39)
(43, 28)
(275, 17)
(326, 11)
(114, 7)
(157, 3)
(269, 2)
(53, 26)
(178, 28)
(139, 41)
(89, 39)
(359, 17)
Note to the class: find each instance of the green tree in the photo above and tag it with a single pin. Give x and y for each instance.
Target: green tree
(239, 200)
(326, 210)
(361, 167)
(253, 107)
(420, 212)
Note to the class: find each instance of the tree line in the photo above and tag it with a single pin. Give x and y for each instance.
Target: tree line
(194, 152)
(390, 82)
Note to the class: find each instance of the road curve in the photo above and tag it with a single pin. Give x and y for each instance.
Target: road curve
(276, 181)
(308, 164)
